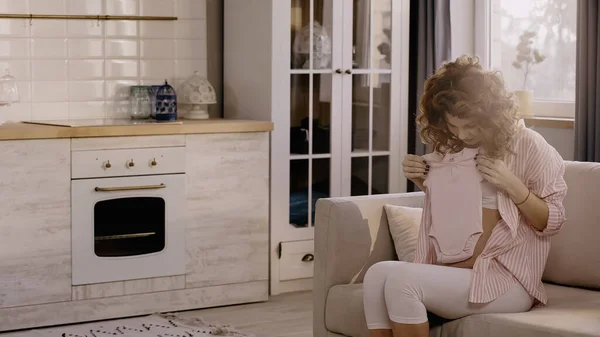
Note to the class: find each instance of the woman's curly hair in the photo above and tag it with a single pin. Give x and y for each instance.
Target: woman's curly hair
(464, 90)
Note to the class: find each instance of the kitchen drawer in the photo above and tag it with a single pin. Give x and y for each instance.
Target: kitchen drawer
(127, 162)
(297, 260)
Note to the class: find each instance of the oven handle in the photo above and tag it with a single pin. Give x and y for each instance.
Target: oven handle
(124, 236)
(129, 188)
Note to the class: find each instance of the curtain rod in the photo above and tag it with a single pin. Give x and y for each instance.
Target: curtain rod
(85, 17)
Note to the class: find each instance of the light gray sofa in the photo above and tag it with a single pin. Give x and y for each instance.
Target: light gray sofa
(351, 234)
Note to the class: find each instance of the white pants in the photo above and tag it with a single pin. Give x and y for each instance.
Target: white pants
(404, 292)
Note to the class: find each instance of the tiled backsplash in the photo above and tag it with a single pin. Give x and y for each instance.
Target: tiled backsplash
(81, 69)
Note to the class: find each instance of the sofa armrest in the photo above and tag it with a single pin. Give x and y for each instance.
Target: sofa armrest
(351, 234)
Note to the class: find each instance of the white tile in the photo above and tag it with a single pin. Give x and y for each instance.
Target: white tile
(49, 70)
(157, 69)
(118, 90)
(121, 48)
(190, 9)
(15, 28)
(46, 6)
(20, 69)
(158, 49)
(49, 48)
(14, 6)
(24, 91)
(49, 91)
(157, 29)
(86, 69)
(49, 28)
(81, 91)
(16, 112)
(121, 69)
(84, 7)
(190, 49)
(190, 29)
(49, 111)
(86, 48)
(122, 7)
(121, 28)
(86, 110)
(186, 68)
(85, 28)
(14, 48)
(155, 81)
(157, 7)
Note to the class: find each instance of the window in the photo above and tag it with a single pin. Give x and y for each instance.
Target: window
(545, 30)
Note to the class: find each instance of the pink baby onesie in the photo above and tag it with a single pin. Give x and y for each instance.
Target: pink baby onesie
(454, 187)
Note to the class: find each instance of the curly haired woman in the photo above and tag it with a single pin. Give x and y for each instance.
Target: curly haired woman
(466, 107)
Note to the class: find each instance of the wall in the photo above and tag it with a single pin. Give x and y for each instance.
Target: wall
(462, 16)
(82, 68)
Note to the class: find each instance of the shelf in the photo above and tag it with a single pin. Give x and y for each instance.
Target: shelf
(310, 156)
(366, 153)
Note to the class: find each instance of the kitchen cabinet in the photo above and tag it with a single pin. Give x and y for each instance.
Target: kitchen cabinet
(332, 75)
(35, 222)
(227, 200)
(222, 210)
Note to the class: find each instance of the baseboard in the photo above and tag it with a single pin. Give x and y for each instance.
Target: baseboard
(34, 316)
(293, 286)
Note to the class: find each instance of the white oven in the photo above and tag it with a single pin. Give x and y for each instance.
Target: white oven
(128, 219)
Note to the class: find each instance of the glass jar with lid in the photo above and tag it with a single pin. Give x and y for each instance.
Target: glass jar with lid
(140, 102)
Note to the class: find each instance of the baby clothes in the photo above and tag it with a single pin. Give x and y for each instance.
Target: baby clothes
(454, 187)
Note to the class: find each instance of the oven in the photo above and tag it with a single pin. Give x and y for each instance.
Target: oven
(128, 214)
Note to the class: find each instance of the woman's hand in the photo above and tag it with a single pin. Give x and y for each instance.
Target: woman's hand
(497, 173)
(415, 169)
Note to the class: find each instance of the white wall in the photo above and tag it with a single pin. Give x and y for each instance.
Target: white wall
(83, 68)
(462, 16)
(462, 20)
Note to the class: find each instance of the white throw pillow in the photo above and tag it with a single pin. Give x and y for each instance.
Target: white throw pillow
(404, 225)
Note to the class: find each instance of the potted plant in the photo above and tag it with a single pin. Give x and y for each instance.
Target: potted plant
(526, 58)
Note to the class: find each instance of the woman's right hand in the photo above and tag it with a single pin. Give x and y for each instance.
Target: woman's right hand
(415, 168)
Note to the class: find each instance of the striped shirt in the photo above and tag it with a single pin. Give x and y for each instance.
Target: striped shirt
(515, 251)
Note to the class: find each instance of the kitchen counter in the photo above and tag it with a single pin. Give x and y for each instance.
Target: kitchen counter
(22, 131)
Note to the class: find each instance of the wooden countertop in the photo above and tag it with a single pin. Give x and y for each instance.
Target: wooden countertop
(22, 131)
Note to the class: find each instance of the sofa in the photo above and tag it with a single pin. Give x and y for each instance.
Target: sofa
(352, 233)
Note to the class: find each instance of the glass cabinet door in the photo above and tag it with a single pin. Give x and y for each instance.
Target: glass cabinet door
(312, 107)
(367, 96)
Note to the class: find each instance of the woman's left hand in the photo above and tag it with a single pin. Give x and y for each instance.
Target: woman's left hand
(496, 172)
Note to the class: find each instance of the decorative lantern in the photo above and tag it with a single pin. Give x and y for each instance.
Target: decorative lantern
(198, 92)
(166, 103)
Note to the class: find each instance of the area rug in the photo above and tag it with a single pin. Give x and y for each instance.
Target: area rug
(157, 325)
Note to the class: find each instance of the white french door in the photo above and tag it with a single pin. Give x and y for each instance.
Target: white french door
(374, 64)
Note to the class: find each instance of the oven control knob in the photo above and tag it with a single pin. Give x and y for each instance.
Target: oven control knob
(153, 163)
(107, 165)
(131, 163)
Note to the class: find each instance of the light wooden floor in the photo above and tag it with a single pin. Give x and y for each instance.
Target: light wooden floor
(287, 315)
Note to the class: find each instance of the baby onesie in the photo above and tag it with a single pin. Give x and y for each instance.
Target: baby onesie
(454, 187)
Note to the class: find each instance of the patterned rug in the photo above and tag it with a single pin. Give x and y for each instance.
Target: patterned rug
(158, 325)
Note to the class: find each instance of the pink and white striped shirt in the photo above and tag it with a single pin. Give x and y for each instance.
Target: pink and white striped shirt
(516, 251)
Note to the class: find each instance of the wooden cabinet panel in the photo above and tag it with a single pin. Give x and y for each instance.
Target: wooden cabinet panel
(35, 222)
(227, 197)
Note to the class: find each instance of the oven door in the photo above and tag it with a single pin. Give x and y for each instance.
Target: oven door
(128, 228)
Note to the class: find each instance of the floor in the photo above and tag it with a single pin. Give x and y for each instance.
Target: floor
(287, 315)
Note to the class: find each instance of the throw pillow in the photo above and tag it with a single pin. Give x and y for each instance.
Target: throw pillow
(404, 225)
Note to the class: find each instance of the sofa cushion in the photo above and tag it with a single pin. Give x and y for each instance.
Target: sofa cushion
(404, 225)
(574, 257)
(570, 312)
